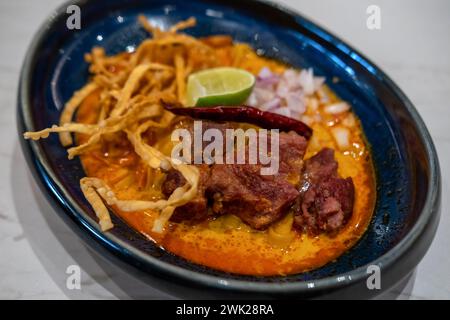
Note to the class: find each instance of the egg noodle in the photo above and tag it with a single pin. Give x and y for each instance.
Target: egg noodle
(132, 87)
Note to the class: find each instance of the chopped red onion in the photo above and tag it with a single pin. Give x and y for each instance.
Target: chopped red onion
(271, 104)
(284, 93)
(283, 111)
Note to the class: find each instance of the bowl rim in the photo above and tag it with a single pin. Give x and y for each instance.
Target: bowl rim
(126, 251)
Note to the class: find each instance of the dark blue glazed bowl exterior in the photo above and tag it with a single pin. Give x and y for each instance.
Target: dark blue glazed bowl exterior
(407, 168)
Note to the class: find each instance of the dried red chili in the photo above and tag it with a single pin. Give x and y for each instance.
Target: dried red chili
(252, 115)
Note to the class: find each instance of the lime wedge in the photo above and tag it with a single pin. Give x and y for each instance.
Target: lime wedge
(219, 86)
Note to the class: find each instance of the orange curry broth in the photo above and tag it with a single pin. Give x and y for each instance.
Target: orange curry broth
(226, 243)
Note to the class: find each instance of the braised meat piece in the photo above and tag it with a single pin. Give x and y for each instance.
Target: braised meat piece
(195, 210)
(292, 150)
(258, 200)
(241, 189)
(326, 200)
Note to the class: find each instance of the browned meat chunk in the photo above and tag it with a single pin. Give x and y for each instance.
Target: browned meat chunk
(188, 124)
(196, 209)
(326, 201)
(240, 189)
(292, 150)
(258, 200)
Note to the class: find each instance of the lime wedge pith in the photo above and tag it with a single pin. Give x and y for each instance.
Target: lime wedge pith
(219, 86)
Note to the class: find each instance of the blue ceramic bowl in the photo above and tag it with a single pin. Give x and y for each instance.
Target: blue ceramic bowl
(407, 168)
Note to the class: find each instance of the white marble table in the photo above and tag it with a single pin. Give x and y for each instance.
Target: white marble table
(36, 247)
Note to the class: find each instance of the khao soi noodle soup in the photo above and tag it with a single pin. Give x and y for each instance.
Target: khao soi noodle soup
(228, 217)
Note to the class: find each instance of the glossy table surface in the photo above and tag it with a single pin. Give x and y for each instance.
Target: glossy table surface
(38, 249)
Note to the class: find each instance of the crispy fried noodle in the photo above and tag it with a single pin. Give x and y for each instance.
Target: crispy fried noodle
(131, 88)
